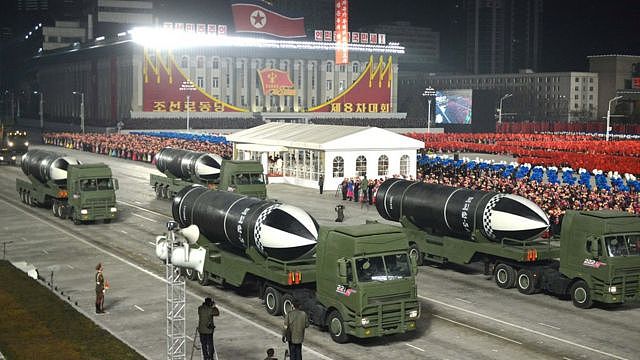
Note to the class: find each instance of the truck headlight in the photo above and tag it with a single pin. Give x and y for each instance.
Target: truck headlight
(84, 211)
(364, 321)
(10, 143)
(26, 143)
(613, 289)
(113, 209)
(1, 158)
(413, 314)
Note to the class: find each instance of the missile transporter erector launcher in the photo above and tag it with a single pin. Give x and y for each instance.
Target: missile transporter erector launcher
(184, 168)
(458, 225)
(82, 192)
(354, 280)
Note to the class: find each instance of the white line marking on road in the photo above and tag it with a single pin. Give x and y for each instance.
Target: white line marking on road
(547, 325)
(415, 347)
(144, 217)
(70, 267)
(566, 358)
(45, 251)
(523, 328)
(464, 301)
(143, 209)
(151, 243)
(476, 329)
(124, 232)
(138, 307)
(137, 267)
(137, 202)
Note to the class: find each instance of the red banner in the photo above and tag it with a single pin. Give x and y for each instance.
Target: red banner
(258, 19)
(371, 92)
(342, 32)
(166, 89)
(635, 83)
(276, 82)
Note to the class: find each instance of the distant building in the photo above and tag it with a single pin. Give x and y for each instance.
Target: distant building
(63, 34)
(503, 35)
(617, 74)
(109, 17)
(559, 96)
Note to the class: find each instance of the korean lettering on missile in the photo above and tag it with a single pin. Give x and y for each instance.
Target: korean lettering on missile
(465, 213)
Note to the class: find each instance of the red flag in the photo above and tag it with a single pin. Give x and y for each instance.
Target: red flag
(258, 19)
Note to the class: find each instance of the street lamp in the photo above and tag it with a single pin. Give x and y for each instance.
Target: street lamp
(500, 108)
(609, 116)
(429, 93)
(188, 103)
(41, 112)
(81, 109)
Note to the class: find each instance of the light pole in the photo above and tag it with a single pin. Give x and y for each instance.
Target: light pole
(81, 109)
(41, 112)
(609, 116)
(187, 112)
(429, 93)
(500, 108)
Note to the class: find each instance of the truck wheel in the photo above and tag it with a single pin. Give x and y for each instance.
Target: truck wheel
(581, 295)
(62, 211)
(76, 219)
(190, 274)
(287, 303)
(336, 327)
(415, 252)
(165, 192)
(203, 277)
(54, 208)
(107, 221)
(526, 282)
(505, 276)
(28, 198)
(158, 190)
(273, 301)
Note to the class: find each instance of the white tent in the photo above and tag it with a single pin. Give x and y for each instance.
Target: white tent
(306, 151)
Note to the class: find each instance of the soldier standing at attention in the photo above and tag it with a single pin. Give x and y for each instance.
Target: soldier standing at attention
(206, 312)
(295, 323)
(321, 183)
(100, 289)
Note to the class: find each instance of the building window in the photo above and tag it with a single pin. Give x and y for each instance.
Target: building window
(591, 80)
(257, 100)
(313, 101)
(242, 100)
(299, 79)
(341, 86)
(361, 166)
(228, 79)
(200, 62)
(285, 66)
(184, 61)
(355, 68)
(576, 97)
(228, 99)
(590, 88)
(577, 80)
(575, 105)
(383, 165)
(577, 88)
(215, 64)
(342, 68)
(338, 167)
(329, 67)
(214, 82)
(200, 81)
(590, 97)
(299, 101)
(329, 84)
(404, 165)
(313, 80)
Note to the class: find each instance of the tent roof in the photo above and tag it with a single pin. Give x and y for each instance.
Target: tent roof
(324, 137)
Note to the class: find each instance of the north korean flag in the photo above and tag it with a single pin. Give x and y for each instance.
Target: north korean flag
(258, 17)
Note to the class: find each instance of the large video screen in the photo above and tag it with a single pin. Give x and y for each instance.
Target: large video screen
(453, 106)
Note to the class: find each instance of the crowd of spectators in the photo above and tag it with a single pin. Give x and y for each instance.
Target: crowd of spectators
(137, 147)
(554, 199)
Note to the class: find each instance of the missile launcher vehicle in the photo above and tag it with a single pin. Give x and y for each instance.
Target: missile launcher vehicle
(596, 256)
(354, 280)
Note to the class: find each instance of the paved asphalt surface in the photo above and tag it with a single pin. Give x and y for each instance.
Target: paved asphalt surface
(464, 315)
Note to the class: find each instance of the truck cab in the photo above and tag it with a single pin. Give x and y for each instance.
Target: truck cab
(366, 281)
(92, 193)
(244, 177)
(600, 253)
(14, 144)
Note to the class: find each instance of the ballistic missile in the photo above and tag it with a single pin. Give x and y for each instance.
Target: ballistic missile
(276, 230)
(460, 211)
(46, 165)
(185, 164)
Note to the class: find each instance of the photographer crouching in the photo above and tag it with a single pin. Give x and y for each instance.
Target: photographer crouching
(206, 312)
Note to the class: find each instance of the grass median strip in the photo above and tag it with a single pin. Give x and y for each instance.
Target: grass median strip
(36, 324)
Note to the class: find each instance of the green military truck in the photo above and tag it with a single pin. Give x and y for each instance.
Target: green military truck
(184, 168)
(596, 256)
(355, 280)
(82, 192)
(14, 144)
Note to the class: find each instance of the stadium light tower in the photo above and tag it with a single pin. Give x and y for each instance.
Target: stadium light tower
(41, 108)
(609, 116)
(500, 108)
(429, 93)
(81, 109)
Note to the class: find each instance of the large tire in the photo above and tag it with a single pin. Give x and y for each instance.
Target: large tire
(415, 252)
(203, 277)
(62, 211)
(29, 199)
(54, 208)
(526, 282)
(273, 301)
(190, 274)
(76, 219)
(336, 327)
(164, 192)
(505, 276)
(581, 295)
(287, 303)
(158, 190)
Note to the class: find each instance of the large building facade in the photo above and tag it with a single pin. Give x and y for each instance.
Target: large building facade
(619, 76)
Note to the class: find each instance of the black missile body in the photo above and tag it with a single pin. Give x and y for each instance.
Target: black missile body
(46, 165)
(277, 230)
(459, 211)
(185, 164)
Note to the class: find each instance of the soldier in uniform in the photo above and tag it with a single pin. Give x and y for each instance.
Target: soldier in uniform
(100, 289)
(206, 312)
(295, 323)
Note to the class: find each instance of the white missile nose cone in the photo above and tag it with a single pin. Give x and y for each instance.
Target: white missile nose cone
(203, 169)
(513, 216)
(58, 174)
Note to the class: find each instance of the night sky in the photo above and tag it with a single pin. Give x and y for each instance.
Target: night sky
(573, 29)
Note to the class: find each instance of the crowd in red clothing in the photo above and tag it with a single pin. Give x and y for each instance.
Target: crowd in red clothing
(561, 150)
(561, 126)
(554, 199)
(130, 146)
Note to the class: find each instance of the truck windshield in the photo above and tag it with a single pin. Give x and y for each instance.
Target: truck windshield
(623, 245)
(249, 179)
(96, 184)
(383, 268)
